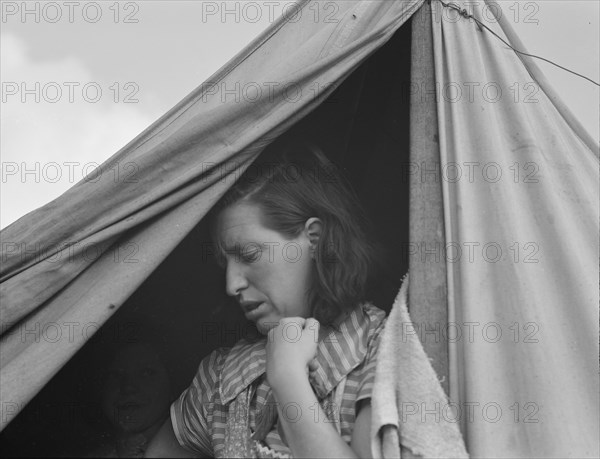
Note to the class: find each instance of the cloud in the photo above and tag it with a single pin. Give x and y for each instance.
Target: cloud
(70, 122)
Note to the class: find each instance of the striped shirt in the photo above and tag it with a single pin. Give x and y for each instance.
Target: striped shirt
(199, 416)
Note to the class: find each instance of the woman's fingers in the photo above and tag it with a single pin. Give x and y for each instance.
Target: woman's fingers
(297, 320)
(312, 324)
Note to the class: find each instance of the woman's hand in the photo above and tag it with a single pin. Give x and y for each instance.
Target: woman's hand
(291, 351)
(291, 346)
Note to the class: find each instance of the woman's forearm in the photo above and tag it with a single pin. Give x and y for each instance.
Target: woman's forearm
(308, 432)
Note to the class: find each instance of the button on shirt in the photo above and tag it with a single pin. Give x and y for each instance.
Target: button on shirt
(199, 416)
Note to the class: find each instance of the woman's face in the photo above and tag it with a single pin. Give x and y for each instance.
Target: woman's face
(137, 391)
(268, 274)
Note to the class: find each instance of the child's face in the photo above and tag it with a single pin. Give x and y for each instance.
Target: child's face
(268, 274)
(137, 390)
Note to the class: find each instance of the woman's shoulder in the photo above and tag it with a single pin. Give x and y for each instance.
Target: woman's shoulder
(226, 370)
(220, 355)
(241, 350)
(375, 315)
(216, 358)
(208, 374)
(372, 324)
(376, 319)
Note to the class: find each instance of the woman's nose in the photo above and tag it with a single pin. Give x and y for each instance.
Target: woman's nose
(235, 279)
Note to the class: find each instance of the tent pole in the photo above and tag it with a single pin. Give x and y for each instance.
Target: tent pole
(427, 288)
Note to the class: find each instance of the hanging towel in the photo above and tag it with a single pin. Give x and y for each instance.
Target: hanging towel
(405, 385)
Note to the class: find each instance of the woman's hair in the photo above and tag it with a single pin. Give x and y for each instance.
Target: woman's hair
(293, 183)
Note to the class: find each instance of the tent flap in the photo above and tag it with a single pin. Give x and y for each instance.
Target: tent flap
(520, 192)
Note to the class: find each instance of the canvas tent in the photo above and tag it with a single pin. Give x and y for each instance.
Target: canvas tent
(414, 100)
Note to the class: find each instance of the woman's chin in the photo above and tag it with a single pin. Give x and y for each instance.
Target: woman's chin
(264, 325)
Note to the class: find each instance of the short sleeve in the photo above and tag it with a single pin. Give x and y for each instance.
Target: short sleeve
(365, 373)
(189, 413)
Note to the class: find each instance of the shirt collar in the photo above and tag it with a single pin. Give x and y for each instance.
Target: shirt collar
(340, 352)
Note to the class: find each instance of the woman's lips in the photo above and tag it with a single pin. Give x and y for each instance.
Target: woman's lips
(254, 311)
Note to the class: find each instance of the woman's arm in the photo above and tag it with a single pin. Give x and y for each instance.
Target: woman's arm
(308, 432)
(165, 444)
(361, 435)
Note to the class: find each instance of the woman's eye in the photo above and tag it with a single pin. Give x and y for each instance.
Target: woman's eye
(252, 256)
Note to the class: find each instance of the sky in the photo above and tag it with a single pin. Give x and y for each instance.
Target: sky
(80, 79)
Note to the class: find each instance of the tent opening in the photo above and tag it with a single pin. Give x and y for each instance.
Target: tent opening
(363, 127)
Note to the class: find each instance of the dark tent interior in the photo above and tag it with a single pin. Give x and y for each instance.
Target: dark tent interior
(364, 128)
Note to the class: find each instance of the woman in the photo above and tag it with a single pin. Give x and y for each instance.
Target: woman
(290, 237)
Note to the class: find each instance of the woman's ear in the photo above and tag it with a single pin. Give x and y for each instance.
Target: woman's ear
(313, 229)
